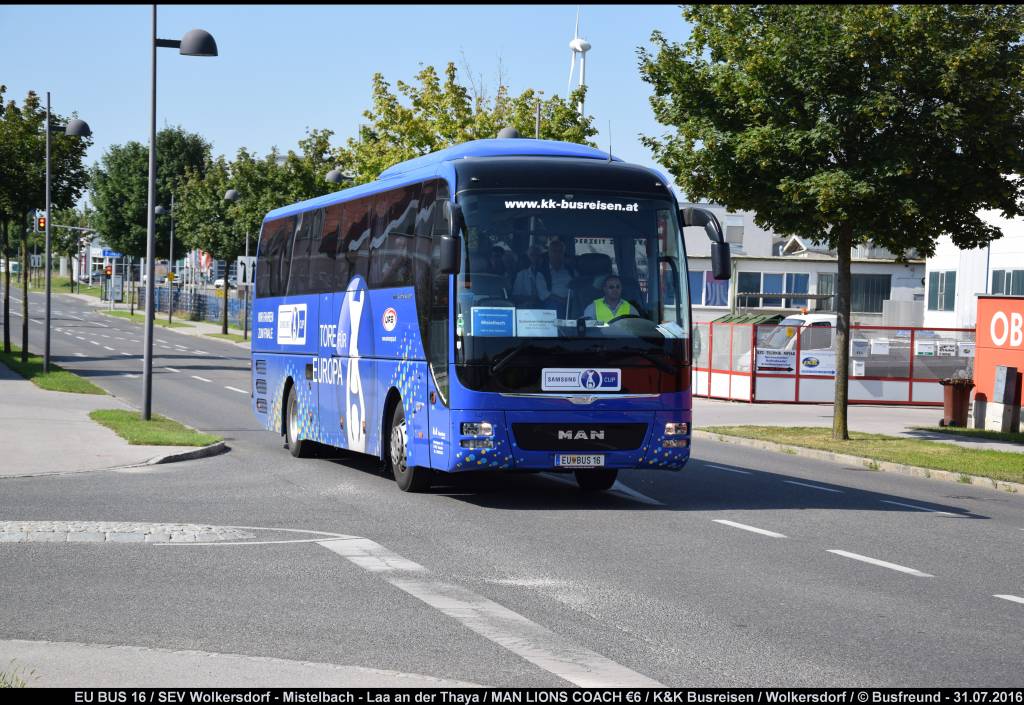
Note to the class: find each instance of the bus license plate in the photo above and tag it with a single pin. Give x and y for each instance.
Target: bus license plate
(579, 461)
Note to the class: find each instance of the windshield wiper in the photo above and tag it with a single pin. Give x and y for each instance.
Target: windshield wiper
(502, 361)
(650, 357)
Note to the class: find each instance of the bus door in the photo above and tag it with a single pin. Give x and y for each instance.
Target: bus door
(328, 372)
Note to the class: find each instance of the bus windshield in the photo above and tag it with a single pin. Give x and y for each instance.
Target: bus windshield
(571, 272)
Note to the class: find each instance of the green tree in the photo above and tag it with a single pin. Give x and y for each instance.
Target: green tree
(119, 186)
(438, 113)
(23, 181)
(844, 123)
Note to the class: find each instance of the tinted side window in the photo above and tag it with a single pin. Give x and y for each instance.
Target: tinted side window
(392, 245)
(279, 256)
(436, 225)
(326, 267)
(355, 245)
(263, 258)
(307, 240)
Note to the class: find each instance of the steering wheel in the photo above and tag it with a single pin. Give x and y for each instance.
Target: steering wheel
(624, 316)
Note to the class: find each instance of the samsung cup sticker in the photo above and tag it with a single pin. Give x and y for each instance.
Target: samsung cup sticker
(581, 380)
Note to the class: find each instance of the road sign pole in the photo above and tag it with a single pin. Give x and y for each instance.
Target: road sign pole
(245, 300)
(46, 343)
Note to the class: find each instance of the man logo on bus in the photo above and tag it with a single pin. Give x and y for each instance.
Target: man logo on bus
(389, 320)
(590, 379)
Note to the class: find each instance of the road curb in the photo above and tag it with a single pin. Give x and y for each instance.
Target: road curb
(868, 463)
(205, 452)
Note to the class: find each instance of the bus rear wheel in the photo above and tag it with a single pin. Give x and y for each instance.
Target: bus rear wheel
(298, 449)
(409, 478)
(596, 480)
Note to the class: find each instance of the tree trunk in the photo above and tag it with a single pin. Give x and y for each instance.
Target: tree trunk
(224, 322)
(840, 430)
(24, 292)
(7, 284)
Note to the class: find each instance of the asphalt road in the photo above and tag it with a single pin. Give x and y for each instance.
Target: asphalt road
(748, 568)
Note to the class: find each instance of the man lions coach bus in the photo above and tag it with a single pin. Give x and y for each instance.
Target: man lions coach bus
(505, 304)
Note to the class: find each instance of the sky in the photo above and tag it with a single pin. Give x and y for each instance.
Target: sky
(284, 68)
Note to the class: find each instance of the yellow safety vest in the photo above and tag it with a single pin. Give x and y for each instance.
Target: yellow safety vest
(605, 314)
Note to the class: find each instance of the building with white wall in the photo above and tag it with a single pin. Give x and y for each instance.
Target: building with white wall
(955, 277)
(790, 274)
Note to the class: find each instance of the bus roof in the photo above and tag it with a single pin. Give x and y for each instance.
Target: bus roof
(516, 147)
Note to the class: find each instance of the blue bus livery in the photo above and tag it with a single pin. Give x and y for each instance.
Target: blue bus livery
(505, 304)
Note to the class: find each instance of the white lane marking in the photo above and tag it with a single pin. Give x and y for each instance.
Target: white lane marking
(618, 489)
(884, 564)
(201, 379)
(722, 467)
(813, 487)
(922, 509)
(236, 389)
(166, 347)
(78, 337)
(107, 347)
(172, 369)
(181, 347)
(74, 317)
(747, 527)
(529, 640)
(129, 374)
(160, 341)
(126, 354)
(35, 321)
(93, 342)
(80, 355)
(202, 352)
(104, 335)
(1011, 598)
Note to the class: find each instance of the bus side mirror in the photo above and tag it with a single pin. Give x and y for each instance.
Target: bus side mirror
(451, 244)
(721, 260)
(702, 218)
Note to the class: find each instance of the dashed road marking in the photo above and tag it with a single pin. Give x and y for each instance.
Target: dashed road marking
(617, 489)
(747, 527)
(883, 564)
(529, 640)
(93, 342)
(172, 369)
(78, 337)
(126, 354)
(107, 347)
(236, 389)
(201, 379)
(1011, 598)
(813, 487)
(921, 509)
(722, 467)
(80, 355)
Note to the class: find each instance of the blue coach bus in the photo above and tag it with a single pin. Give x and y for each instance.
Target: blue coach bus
(504, 304)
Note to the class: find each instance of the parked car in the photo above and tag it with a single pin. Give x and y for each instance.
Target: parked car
(219, 283)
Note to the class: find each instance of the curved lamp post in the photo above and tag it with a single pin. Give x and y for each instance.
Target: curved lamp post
(74, 128)
(196, 42)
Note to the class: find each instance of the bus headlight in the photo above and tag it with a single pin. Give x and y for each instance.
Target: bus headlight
(477, 428)
(673, 428)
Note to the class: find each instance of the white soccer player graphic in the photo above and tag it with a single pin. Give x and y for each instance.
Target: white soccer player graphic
(354, 401)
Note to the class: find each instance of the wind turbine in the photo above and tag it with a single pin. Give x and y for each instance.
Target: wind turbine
(580, 46)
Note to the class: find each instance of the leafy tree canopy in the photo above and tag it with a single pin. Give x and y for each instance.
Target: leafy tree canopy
(118, 186)
(896, 123)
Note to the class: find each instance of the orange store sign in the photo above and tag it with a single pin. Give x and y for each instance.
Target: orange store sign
(1000, 339)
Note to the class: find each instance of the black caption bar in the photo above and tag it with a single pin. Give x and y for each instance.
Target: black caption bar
(523, 696)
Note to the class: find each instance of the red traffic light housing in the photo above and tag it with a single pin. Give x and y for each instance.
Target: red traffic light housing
(41, 223)
(109, 270)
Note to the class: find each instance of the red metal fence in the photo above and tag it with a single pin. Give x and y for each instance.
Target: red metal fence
(772, 363)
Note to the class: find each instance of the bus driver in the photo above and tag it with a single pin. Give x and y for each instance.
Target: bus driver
(611, 305)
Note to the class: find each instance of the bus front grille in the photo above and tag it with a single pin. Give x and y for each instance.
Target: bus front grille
(579, 436)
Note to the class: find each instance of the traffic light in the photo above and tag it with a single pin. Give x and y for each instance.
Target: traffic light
(109, 270)
(41, 224)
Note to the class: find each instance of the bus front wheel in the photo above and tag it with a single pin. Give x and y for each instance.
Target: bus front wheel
(409, 478)
(596, 480)
(298, 449)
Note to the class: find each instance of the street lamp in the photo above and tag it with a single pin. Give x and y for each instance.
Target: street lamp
(74, 128)
(232, 196)
(196, 42)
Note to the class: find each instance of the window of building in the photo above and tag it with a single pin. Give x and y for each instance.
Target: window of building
(716, 291)
(1008, 281)
(771, 283)
(696, 280)
(941, 291)
(868, 291)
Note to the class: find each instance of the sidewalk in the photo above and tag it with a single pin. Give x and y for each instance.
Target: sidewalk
(866, 418)
(199, 329)
(47, 432)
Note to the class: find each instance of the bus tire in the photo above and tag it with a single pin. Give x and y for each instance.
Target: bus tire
(596, 480)
(409, 478)
(298, 449)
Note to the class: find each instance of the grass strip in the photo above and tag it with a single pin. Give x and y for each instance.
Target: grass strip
(141, 318)
(158, 431)
(56, 380)
(64, 285)
(935, 455)
(975, 433)
(230, 336)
